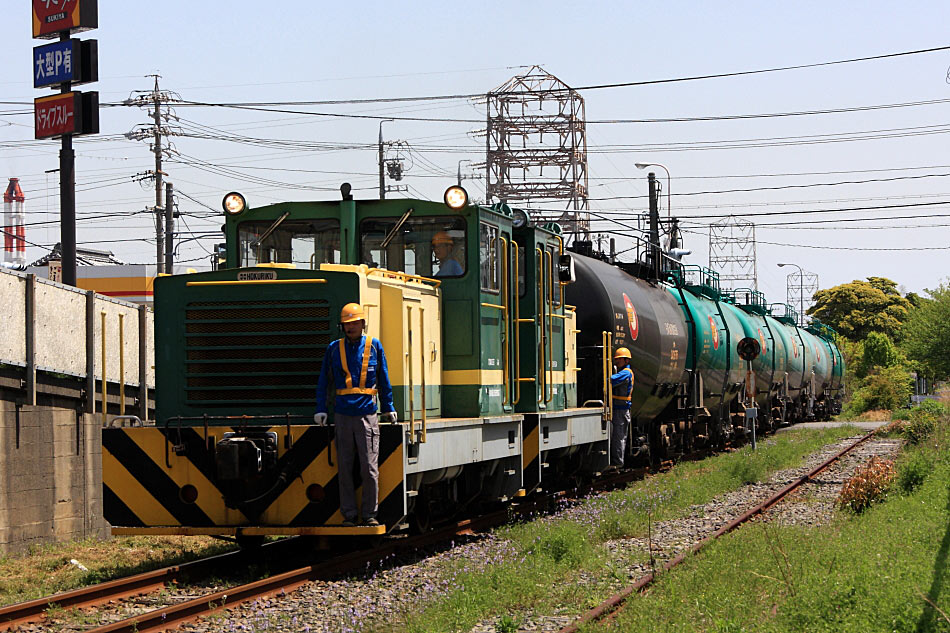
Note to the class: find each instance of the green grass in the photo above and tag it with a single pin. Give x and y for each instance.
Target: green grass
(552, 566)
(47, 569)
(871, 572)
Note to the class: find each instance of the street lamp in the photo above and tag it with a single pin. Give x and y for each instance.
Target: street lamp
(801, 291)
(669, 209)
(459, 176)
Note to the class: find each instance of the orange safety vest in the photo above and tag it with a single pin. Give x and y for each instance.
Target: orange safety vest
(616, 388)
(362, 389)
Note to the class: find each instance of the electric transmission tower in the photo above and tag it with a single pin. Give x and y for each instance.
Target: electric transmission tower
(159, 129)
(536, 147)
(732, 253)
(800, 289)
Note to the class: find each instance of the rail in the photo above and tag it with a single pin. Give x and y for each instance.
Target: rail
(606, 608)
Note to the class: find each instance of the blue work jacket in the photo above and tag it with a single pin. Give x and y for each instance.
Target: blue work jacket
(377, 377)
(622, 383)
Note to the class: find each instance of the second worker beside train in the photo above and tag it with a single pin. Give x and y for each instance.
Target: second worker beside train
(621, 389)
(359, 376)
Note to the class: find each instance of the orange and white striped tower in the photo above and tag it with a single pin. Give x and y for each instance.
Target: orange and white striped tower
(14, 242)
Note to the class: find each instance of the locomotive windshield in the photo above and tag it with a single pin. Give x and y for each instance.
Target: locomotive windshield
(304, 243)
(427, 246)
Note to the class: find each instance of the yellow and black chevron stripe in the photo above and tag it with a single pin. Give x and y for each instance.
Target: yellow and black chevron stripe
(163, 480)
(531, 451)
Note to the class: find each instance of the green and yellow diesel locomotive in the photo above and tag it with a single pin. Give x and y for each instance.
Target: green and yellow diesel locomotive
(481, 355)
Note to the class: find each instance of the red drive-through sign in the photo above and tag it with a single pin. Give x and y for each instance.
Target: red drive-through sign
(57, 115)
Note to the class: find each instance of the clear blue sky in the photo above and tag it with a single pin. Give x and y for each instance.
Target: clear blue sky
(290, 51)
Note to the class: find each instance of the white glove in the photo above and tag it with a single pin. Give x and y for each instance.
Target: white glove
(388, 417)
(320, 419)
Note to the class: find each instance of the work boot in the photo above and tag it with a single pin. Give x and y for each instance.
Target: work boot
(371, 521)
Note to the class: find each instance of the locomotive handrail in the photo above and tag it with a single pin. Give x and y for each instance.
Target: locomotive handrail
(549, 378)
(422, 365)
(412, 408)
(405, 276)
(607, 343)
(517, 325)
(542, 373)
(255, 281)
(505, 292)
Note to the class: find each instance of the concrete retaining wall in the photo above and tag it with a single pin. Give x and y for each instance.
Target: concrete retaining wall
(50, 476)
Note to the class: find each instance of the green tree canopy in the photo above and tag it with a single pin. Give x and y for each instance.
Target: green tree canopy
(926, 334)
(861, 307)
(878, 351)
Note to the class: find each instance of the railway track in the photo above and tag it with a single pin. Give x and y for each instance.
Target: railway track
(169, 616)
(608, 609)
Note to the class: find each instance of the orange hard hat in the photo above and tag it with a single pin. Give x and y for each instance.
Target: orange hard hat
(352, 312)
(622, 352)
(442, 237)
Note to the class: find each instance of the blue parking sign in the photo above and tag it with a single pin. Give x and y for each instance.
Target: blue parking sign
(56, 63)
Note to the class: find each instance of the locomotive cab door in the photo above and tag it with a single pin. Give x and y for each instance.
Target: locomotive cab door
(539, 379)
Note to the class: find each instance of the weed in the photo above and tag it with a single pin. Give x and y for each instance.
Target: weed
(869, 484)
(507, 624)
(912, 471)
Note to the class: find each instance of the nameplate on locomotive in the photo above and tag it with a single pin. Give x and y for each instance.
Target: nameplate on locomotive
(257, 275)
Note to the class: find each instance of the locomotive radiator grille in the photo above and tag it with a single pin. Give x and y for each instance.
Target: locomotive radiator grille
(261, 351)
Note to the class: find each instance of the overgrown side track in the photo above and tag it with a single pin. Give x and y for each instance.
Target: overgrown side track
(607, 608)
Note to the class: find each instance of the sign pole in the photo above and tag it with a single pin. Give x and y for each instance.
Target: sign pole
(67, 198)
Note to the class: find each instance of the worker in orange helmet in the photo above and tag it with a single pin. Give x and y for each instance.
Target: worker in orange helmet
(357, 368)
(622, 388)
(442, 246)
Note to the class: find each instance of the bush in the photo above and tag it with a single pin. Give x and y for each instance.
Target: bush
(869, 484)
(901, 414)
(921, 424)
(884, 388)
(912, 472)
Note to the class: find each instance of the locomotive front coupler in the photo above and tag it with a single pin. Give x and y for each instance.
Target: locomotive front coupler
(246, 465)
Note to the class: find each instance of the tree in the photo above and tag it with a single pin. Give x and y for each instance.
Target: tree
(926, 335)
(878, 352)
(861, 307)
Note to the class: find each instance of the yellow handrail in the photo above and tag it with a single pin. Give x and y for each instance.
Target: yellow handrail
(550, 278)
(404, 276)
(422, 365)
(412, 408)
(506, 341)
(256, 281)
(542, 371)
(517, 325)
(492, 305)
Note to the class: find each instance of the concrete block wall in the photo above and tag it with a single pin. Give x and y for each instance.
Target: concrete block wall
(50, 477)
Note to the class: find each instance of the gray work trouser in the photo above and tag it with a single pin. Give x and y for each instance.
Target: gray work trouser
(360, 435)
(618, 435)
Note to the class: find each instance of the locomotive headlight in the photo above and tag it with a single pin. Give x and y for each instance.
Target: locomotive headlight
(456, 197)
(519, 218)
(234, 203)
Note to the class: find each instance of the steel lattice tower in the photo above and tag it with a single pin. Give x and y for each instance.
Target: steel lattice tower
(732, 253)
(523, 113)
(800, 290)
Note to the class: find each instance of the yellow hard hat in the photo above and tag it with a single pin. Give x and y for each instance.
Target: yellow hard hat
(352, 312)
(442, 237)
(622, 352)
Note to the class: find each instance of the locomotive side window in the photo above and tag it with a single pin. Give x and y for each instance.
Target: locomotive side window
(304, 243)
(489, 247)
(427, 246)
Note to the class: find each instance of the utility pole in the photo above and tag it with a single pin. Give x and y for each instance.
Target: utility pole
(169, 229)
(382, 160)
(157, 119)
(654, 227)
(153, 100)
